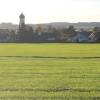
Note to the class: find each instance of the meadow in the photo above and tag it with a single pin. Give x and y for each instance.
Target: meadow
(49, 71)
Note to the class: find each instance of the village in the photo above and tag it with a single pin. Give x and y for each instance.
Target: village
(28, 34)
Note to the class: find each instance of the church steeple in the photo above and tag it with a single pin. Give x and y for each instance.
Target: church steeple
(22, 20)
(25, 34)
(22, 15)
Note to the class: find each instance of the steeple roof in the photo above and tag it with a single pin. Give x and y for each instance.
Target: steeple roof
(22, 15)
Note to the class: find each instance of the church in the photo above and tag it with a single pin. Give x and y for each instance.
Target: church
(27, 35)
(25, 32)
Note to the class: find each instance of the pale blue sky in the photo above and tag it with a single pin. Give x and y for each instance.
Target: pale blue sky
(43, 11)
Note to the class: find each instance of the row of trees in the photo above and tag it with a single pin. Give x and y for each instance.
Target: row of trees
(51, 29)
(25, 35)
(28, 34)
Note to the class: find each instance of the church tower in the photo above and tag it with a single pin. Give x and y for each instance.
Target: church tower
(25, 33)
(22, 20)
(22, 28)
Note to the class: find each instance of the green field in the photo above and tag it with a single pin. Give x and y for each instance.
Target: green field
(49, 71)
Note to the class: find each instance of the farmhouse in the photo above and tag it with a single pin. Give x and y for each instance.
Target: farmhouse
(82, 36)
(5, 35)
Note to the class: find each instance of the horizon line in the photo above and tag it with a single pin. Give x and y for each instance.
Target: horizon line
(53, 22)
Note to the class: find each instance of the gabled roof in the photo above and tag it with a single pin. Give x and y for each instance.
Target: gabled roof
(95, 34)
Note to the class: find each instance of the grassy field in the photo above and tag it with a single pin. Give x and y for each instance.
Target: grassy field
(49, 71)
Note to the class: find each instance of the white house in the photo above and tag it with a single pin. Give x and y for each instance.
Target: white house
(81, 37)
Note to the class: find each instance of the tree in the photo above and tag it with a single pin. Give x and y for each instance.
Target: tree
(12, 36)
(63, 30)
(25, 34)
(71, 30)
(96, 31)
(39, 29)
(22, 34)
(30, 34)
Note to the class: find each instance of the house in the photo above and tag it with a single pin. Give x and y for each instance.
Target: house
(82, 36)
(94, 37)
(67, 37)
(4, 35)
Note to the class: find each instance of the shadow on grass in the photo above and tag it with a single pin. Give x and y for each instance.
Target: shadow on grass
(50, 57)
(48, 90)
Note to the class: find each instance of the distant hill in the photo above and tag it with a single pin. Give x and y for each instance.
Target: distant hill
(84, 25)
(8, 26)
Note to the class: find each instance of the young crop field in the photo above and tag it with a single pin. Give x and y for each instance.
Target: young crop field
(50, 71)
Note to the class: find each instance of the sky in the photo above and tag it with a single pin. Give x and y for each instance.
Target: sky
(45, 11)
